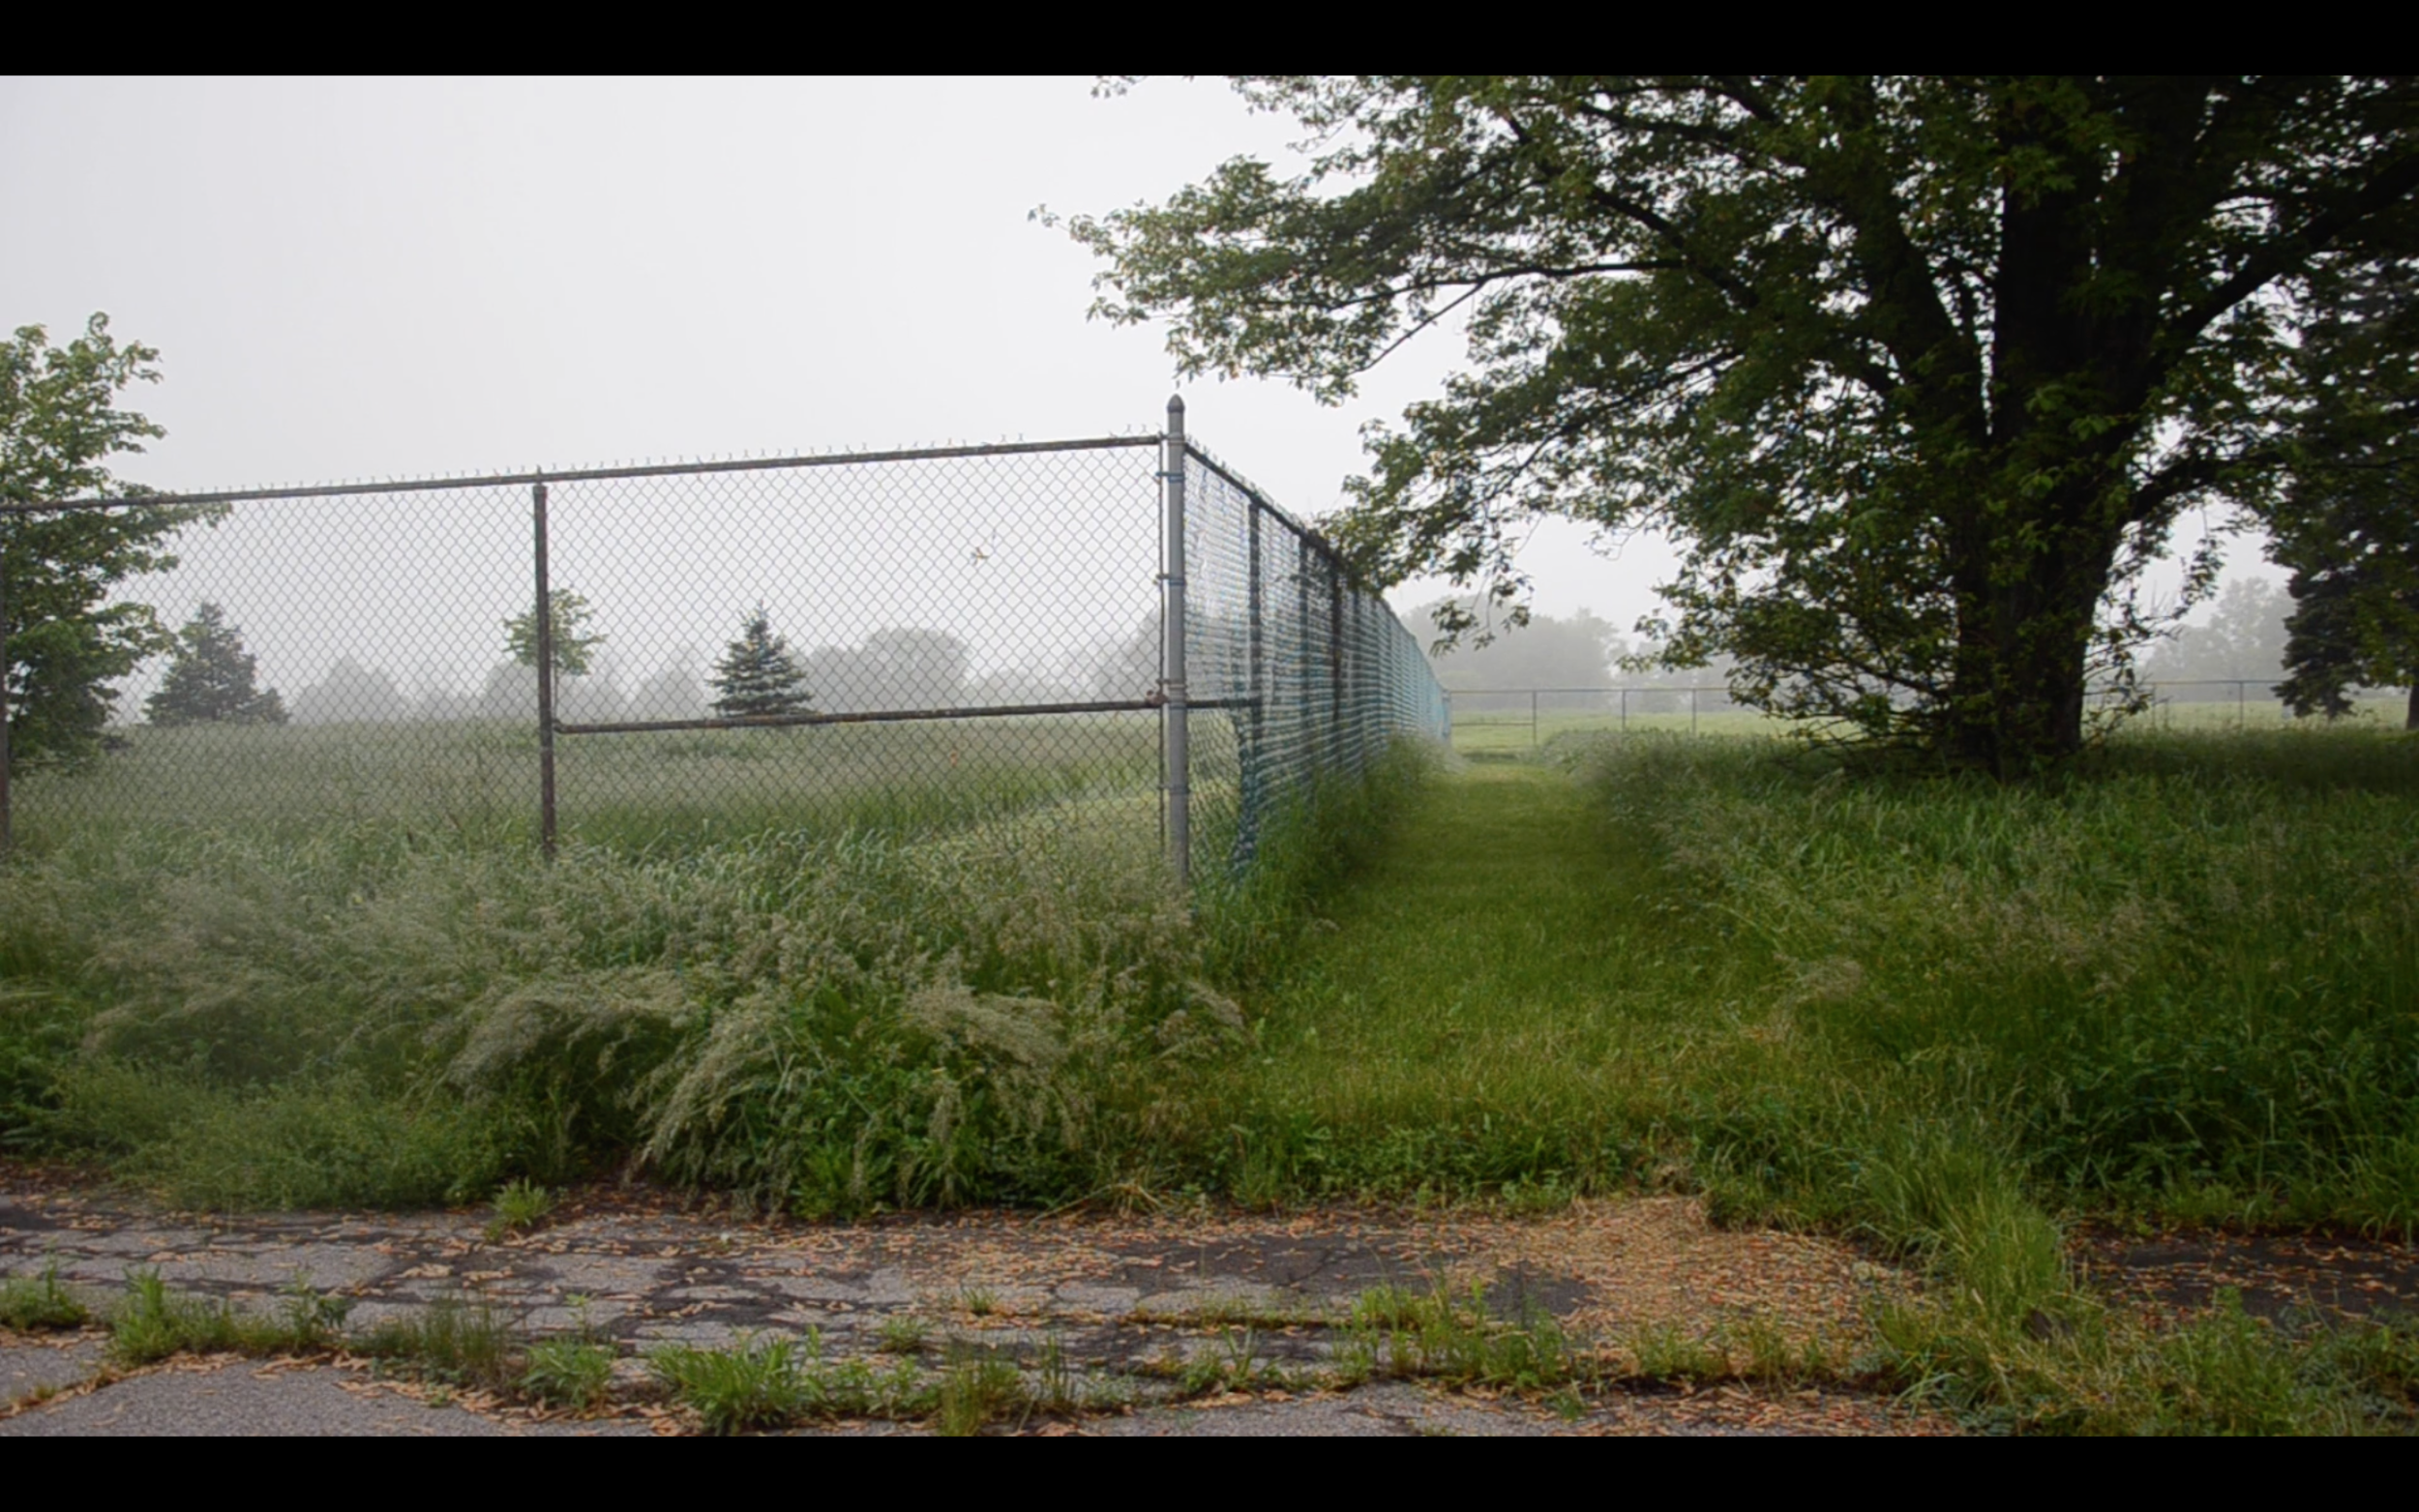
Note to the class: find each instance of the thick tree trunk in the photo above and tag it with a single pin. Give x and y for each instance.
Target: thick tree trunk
(2024, 638)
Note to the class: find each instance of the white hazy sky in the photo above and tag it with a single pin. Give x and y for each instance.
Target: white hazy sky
(357, 279)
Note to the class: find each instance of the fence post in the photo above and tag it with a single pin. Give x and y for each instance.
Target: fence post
(1692, 711)
(1175, 734)
(1336, 661)
(1252, 794)
(1533, 719)
(1624, 711)
(546, 677)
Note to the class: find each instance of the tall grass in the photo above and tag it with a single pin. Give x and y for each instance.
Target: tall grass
(826, 1018)
(2181, 980)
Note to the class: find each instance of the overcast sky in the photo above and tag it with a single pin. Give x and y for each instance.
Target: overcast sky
(352, 278)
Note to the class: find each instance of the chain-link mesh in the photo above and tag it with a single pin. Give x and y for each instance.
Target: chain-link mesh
(894, 640)
(1301, 674)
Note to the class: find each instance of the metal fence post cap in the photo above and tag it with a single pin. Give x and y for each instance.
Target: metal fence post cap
(1176, 403)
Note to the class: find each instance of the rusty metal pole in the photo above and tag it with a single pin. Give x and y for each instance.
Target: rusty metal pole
(546, 676)
(1175, 731)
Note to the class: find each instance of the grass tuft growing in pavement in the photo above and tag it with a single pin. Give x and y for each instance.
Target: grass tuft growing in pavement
(30, 1304)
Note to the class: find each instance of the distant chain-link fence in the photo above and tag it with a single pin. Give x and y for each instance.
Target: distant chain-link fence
(894, 640)
(1494, 720)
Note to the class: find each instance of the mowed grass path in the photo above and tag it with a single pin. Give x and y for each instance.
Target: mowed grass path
(1483, 1003)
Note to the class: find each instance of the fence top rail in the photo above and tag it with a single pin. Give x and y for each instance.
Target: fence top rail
(1483, 693)
(589, 474)
(1278, 512)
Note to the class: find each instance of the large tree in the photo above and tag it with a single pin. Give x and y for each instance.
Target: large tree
(2347, 522)
(67, 643)
(1920, 370)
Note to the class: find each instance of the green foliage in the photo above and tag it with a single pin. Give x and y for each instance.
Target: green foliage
(819, 1020)
(2349, 523)
(211, 680)
(28, 1303)
(59, 428)
(574, 1374)
(978, 1387)
(452, 1341)
(300, 1144)
(1459, 1340)
(518, 1205)
(757, 676)
(574, 652)
(152, 1323)
(902, 1333)
(758, 1385)
(1921, 367)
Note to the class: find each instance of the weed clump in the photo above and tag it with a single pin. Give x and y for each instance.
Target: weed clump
(30, 1304)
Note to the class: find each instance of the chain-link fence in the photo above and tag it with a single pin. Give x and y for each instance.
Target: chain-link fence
(1501, 719)
(880, 641)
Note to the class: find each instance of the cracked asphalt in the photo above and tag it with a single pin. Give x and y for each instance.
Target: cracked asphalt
(1125, 1301)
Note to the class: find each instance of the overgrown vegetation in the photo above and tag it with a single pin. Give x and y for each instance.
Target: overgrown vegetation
(1944, 1014)
(30, 1304)
(152, 1323)
(821, 1020)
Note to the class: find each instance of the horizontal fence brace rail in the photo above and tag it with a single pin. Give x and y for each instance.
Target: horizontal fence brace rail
(890, 716)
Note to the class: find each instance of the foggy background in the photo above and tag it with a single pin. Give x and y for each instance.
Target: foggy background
(377, 278)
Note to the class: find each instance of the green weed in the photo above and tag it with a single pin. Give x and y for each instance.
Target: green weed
(518, 1205)
(902, 1333)
(452, 1341)
(152, 1323)
(755, 1385)
(573, 1372)
(977, 1388)
(30, 1303)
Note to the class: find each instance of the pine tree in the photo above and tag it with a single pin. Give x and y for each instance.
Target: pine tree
(756, 676)
(211, 680)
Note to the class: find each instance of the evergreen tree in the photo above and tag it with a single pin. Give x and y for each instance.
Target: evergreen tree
(211, 680)
(756, 676)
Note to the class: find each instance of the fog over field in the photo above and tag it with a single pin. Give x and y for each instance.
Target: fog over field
(465, 277)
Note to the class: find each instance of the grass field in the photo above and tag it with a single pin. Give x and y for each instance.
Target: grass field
(1947, 1016)
(1950, 1017)
(1487, 724)
(478, 782)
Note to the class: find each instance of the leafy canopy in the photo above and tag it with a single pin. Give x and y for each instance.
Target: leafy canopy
(2346, 522)
(574, 652)
(60, 426)
(1919, 369)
